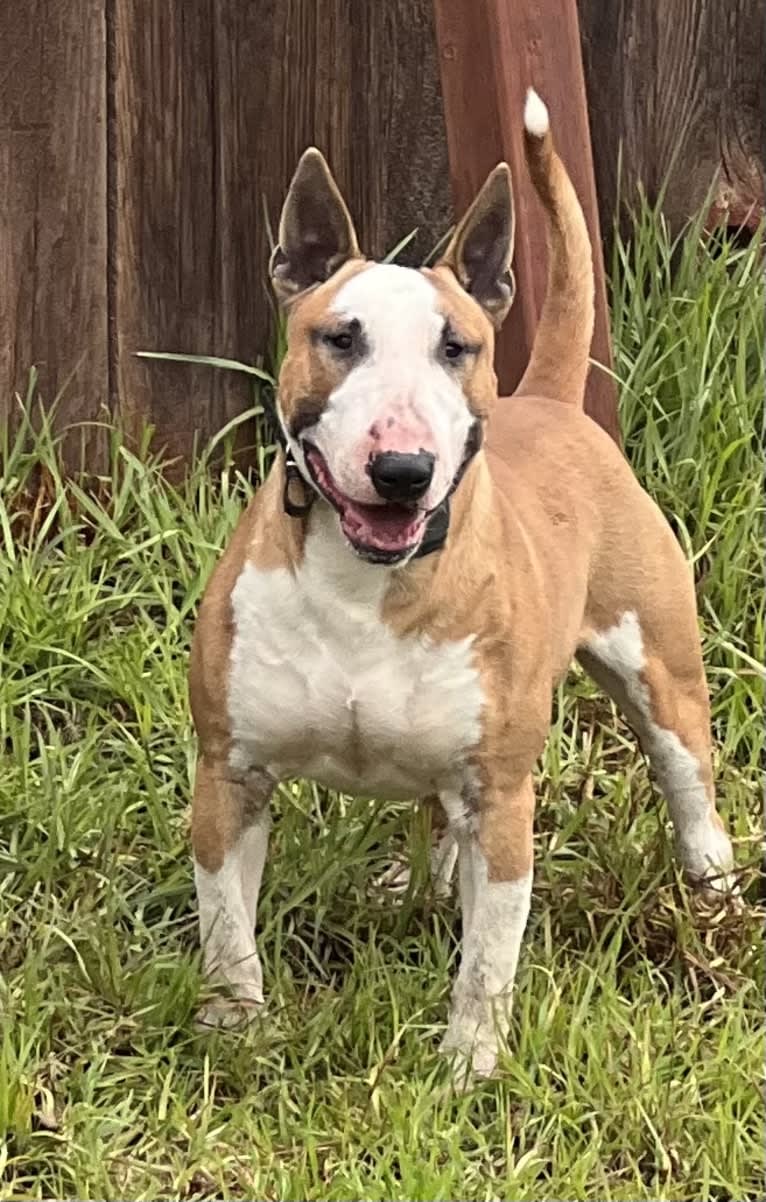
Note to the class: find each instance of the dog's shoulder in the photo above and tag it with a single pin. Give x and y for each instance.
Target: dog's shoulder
(264, 539)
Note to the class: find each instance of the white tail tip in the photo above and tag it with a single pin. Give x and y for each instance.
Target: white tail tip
(536, 119)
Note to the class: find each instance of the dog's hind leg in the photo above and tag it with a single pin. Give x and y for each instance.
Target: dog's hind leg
(230, 833)
(443, 858)
(443, 854)
(654, 672)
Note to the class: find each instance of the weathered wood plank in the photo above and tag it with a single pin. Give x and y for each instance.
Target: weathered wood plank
(166, 248)
(216, 100)
(490, 53)
(681, 88)
(208, 105)
(53, 310)
(398, 151)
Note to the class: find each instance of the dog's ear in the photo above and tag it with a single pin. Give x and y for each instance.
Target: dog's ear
(481, 248)
(316, 234)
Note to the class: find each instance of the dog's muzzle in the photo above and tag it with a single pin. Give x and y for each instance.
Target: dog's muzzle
(397, 478)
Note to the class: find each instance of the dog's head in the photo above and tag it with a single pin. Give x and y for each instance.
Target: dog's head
(388, 374)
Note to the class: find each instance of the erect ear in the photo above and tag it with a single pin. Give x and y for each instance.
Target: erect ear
(316, 234)
(481, 248)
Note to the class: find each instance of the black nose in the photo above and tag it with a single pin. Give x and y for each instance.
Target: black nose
(400, 477)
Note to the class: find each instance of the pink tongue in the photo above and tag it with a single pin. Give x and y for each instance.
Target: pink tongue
(387, 527)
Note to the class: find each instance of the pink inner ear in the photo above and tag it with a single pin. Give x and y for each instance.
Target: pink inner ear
(316, 235)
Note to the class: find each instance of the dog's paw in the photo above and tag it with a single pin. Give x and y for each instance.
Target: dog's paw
(394, 882)
(711, 901)
(225, 1013)
(472, 1053)
(717, 889)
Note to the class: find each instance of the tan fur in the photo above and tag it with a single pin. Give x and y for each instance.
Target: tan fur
(218, 813)
(542, 549)
(506, 824)
(308, 377)
(268, 539)
(551, 543)
(558, 365)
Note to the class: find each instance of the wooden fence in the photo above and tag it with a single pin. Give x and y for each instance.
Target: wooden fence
(139, 140)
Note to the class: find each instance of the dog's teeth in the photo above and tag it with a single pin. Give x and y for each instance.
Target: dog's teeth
(536, 119)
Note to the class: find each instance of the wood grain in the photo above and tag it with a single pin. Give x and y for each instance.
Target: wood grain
(138, 141)
(508, 48)
(215, 103)
(52, 210)
(679, 89)
(166, 242)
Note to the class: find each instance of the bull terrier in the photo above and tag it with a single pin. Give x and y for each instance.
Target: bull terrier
(424, 561)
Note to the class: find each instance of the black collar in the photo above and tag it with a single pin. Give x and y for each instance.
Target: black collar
(437, 527)
(435, 535)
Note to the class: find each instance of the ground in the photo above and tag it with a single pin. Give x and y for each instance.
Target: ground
(635, 1060)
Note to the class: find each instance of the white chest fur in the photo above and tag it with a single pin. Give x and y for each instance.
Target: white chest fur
(321, 687)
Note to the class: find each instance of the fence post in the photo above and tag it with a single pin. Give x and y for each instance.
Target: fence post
(490, 51)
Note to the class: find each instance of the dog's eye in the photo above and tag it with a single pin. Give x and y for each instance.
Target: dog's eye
(453, 350)
(340, 342)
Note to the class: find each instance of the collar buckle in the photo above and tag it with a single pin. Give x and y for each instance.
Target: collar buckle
(293, 508)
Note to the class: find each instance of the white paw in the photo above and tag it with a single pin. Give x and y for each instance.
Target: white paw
(718, 882)
(223, 1013)
(719, 890)
(394, 882)
(472, 1049)
(708, 865)
(396, 879)
(708, 859)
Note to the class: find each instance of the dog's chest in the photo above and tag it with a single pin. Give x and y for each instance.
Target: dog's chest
(321, 687)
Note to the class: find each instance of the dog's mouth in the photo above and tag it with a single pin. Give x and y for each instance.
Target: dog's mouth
(383, 533)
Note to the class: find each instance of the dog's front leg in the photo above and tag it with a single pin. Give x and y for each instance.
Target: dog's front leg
(230, 833)
(495, 865)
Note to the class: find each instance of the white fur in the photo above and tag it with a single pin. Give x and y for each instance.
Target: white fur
(320, 686)
(400, 387)
(536, 119)
(495, 916)
(461, 820)
(228, 900)
(442, 860)
(463, 829)
(703, 847)
(621, 648)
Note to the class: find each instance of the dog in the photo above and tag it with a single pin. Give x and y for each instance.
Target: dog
(418, 571)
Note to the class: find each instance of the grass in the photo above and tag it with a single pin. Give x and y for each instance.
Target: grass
(635, 1061)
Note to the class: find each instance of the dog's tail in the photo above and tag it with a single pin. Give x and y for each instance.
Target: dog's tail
(558, 365)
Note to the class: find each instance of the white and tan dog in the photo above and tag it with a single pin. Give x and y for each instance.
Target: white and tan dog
(390, 641)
